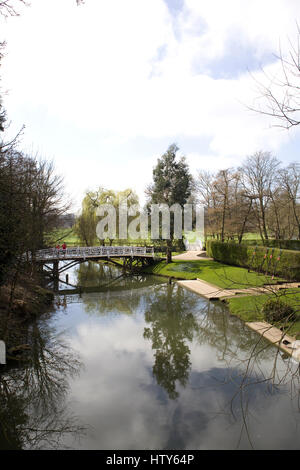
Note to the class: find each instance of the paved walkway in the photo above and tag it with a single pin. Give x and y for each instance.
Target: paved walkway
(213, 292)
(209, 291)
(285, 342)
(192, 255)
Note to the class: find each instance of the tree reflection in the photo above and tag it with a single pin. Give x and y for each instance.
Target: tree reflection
(252, 373)
(252, 367)
(227, 334)
(113, 291)
(33, 411)
(172, 326)
(95, 274)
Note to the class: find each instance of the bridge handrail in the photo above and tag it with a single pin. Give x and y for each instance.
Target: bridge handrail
(93, 251)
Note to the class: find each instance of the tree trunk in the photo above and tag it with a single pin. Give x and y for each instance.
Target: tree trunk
(169, 251)
(244, 222)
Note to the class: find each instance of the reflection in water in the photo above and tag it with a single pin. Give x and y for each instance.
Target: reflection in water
(164, 369)
(111, 288)
(226, 387)
(172, 326)
(95, 274)
(244, 375)
(33, 411)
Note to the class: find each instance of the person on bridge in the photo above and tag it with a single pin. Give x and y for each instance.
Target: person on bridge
(64, 247)
(57, 249)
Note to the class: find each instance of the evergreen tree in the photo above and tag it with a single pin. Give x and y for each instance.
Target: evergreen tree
(172, 184)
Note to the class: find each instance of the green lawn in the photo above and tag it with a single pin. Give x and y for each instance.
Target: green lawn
(219, 274)
(249, 308)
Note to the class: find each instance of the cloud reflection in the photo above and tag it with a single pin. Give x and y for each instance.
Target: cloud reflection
(120, 398)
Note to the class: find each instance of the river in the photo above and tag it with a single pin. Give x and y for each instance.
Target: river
(141, 363)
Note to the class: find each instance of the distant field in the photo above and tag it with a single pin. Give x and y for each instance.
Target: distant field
(251, 236)
(68, 236)
(62, 235)
(246, 236)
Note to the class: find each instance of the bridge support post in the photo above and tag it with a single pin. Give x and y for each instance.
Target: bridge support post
(55, 274)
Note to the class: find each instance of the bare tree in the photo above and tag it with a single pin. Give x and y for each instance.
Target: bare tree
(9, 8)
(280, 93)
(229, 211)
(204, 186)
(259, 172)
(290, 181)
(222, 187)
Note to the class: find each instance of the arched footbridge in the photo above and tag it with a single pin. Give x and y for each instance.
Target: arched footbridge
(127, 257)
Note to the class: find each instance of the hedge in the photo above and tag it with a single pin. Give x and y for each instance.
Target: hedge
(286, 244)
(272, 261)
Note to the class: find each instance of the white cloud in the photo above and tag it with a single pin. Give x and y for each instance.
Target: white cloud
(120, 70)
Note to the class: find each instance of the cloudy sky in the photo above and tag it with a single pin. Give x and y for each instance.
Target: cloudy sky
(103, 89)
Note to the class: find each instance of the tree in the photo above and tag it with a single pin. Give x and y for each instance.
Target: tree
(9, 8)
(86, 222)
(290, 181)
(222, 187)
(172, 184)
(31, 200)
(280, 94)
(228, 210)
(258, 172)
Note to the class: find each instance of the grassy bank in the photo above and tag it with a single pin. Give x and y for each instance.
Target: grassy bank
(219, 274)
(249, 308)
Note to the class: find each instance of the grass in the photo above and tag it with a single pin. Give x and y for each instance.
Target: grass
(249, 308)
(219, 274)
(246, 236)
(62, 235)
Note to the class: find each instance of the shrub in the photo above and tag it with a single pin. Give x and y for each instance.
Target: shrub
(277, 310)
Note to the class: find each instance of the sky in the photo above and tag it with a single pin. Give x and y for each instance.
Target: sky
(103, 89)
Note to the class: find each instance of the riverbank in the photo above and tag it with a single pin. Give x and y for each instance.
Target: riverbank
(249, 308)
(218, 274)
(19, 305)
(26, 300)
(224, 281)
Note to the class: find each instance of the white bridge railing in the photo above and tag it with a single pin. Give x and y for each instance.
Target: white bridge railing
(92, 252)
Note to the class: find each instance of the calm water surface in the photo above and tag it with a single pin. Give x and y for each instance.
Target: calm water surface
(143, 364)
